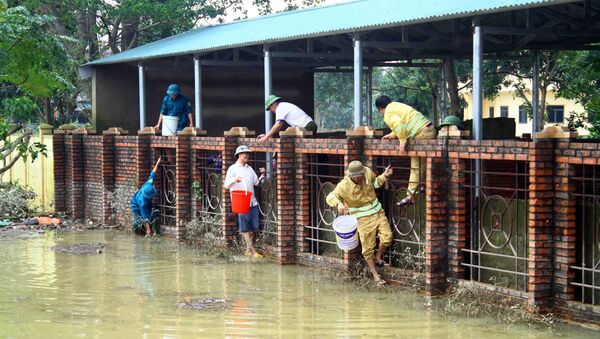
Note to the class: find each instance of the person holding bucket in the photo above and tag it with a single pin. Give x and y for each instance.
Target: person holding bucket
(241, 177)
(355, 195)
(177, 106)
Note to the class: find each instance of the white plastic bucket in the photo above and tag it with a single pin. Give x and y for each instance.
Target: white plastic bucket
(345, 232)
(169, 125)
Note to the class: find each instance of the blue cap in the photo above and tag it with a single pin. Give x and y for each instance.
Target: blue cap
(173, 89)
(148, 192)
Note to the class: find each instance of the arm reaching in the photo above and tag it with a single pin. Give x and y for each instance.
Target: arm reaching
(276, 127)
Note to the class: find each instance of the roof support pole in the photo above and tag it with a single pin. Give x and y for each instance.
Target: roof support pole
(443, 94)
(197, 92)
(357, 82)
(370, 96)
(477, 82)
(536, 122)
(268, 86)
(477, 127)
(268, 91)
(142, 95)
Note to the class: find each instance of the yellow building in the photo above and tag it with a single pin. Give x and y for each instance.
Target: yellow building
(508, 105)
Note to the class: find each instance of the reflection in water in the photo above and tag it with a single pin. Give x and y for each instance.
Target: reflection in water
(132, 290)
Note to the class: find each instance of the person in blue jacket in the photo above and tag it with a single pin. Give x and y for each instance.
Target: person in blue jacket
(176, 105)
(141, 204)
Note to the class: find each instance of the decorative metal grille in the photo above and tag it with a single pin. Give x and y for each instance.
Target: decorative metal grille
(167, 200)
(208, 190)
(407, 221)
(266, 195)
(587, 264)
(325, 171)
(497, 252)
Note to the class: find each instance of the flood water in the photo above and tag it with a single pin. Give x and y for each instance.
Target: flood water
(133, 288)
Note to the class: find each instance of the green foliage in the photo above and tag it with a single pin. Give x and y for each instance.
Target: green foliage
(15, 201)
(579, 79)
(30, 58)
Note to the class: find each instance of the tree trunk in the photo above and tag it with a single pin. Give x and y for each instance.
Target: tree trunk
(452, 86)
(129, 36)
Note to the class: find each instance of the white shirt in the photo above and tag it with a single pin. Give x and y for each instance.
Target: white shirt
(248, 177)
(291, 114)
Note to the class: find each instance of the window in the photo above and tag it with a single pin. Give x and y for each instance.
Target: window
(556, 114)
(504, 111)
(491, 112)
(522, 114)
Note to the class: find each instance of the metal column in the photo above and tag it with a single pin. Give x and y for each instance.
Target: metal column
(443, 94)
(268, 86)
(268, 91)
(357, 82)
(369, 110)
(197, 92)
(536, 122)
(477, 133)
(141, 86)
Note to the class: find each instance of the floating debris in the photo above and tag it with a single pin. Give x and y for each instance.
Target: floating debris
(91, 248)
(209, 304)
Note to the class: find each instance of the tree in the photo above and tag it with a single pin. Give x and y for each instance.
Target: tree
(31, 63)
(578, 78)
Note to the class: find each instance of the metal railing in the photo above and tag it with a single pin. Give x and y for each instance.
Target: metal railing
(167, 192)
(497, 224)
(266, 195)
(324, 172)
(406, 221)
(207, 187)
(587, 264)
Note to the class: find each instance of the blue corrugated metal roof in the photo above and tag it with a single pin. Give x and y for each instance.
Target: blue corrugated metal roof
(351, 16)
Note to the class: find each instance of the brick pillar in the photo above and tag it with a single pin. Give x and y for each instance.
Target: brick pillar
(457, 210)
(183, 186)
(436, 209)
(541, 195)
(58, 146)
(564, 232)
(74, 178)
(302, 198)
(143, 162)
(108, 175)
(286, 188)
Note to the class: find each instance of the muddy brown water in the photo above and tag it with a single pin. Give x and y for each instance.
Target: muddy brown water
(133, 288)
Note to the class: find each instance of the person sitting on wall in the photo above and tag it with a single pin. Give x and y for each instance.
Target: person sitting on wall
(406, 123)
(241, 176)
(355, 195)
(176, 105)
(141, 205)
(286, 112)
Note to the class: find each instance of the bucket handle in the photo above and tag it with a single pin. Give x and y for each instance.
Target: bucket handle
(245, 186)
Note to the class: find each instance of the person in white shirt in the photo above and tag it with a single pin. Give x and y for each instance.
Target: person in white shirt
(240, 176)
(289, 113)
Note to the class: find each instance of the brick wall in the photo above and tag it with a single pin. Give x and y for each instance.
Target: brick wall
(89, 166)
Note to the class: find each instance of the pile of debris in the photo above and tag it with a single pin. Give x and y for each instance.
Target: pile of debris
(44, 223)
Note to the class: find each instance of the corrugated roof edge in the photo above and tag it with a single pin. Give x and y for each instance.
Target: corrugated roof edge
(451, 15)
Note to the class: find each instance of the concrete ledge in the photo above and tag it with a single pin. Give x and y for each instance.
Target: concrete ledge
(295, 132)
(555, 132)
(147, 131)
(115, 131)
(239, 132)
(364, 131)
(84, 131)
(192, 131)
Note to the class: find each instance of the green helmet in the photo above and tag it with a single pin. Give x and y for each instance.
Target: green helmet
(356, 169)
(452, 120)
(270, 100)
(242, 149)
